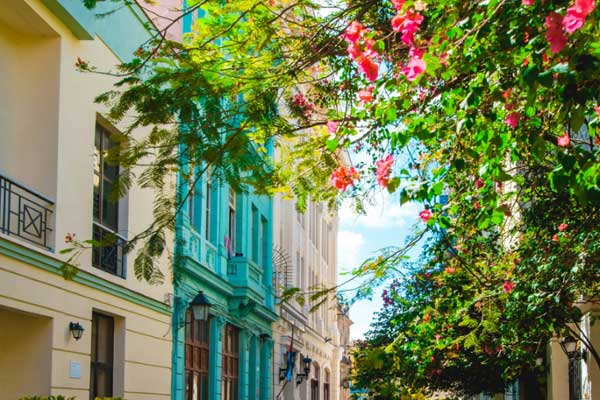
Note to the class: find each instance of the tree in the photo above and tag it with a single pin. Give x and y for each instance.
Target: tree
(492, 103)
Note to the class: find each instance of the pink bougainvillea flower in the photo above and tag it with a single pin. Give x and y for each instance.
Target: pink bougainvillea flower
(576, 14)
(508, 286)
(555, 238)
(369, 68)
(353, 51)
(416, 66)
(407, 24)
(384, 169)
(563, 227)
(343, 177)
(479, 183)
(438, 336)
(564, 140)
(425, 215)
(527, 2)
(597, 110)
(366, 95)
(332, 126)
(512, 119)
(554, 32)
(354, 32)
(398, 4)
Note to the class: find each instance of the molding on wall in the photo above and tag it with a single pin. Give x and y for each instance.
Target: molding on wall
(52, 265)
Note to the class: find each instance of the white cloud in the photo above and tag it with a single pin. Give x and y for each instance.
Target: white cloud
(385, 212)
(349, 248)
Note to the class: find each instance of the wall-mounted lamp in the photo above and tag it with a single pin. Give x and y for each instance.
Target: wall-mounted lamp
(200, 307)
(306, 361)
(569, 346)
(76, 330)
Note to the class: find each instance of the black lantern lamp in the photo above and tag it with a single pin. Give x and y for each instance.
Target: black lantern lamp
(200, 307)
(569, 346)
(306, 361)
(76, 330)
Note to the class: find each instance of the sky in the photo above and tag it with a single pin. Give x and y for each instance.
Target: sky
(386, 223)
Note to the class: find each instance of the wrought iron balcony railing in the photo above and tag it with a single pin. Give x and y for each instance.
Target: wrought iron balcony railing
(25, 214)
(110, 256)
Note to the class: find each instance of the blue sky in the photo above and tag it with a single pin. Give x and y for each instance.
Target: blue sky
(386, 223)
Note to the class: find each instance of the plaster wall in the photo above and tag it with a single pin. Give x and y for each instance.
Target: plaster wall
(51, 304)
(47, 125)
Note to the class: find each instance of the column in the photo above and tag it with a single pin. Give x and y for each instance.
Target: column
(243, 373)
(178, 352)
(215, 357)
(266, 350)
(253, 368)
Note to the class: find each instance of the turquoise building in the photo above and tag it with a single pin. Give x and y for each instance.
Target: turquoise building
(223, 253)
(223, 249)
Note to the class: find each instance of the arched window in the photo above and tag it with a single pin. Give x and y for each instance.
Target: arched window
(314, 383)
(326, 389)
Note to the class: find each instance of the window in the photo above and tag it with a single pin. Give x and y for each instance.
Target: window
(110, 257)
(101, 369)
(263, 242)
(314, 384)
(326, 395)
(196, 358)
(208, 210)
(231, 222)
(254, 233)
(230, 368)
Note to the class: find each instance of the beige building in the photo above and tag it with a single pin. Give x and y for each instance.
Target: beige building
(53, 182)
(305, 257)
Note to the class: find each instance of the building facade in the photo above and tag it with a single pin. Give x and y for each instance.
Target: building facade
(305, 258)
(54, 183)
(223, 252)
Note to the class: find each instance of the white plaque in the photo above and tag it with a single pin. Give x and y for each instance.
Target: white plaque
(75, 369)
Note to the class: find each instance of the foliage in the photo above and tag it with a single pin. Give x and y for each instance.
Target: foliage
(494, 104)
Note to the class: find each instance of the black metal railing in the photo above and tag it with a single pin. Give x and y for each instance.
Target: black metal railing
(25, 214)
(109, 255)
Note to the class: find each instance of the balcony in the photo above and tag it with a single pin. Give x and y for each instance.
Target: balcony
(110, 255)
(26, 214)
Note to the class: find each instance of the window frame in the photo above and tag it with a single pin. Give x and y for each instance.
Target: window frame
(98, 365)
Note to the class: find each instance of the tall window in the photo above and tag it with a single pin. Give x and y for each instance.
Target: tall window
(101, 369)
(326, 394)
(196, 358)
(230, 368)
(254, 239)
(231, 222)
(264, 259)
(314, 384)
(207, 218)
(106, 212)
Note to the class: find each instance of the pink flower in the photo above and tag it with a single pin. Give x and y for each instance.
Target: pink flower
(332, 126)
(508, 286)
(398, 4)
(564, 140)
(576, 14)
(342, 177)
(438, 336)
(353, 51)
(425, 215)
(554, 32)
(563, 227)
(527, 2)
(597, 110)
(416, 66)
(366, 95)
(512, 119)
(369, 68)
(384, 169)
(476, 205)
(407, 24)
(354, 32)
(555, 238)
